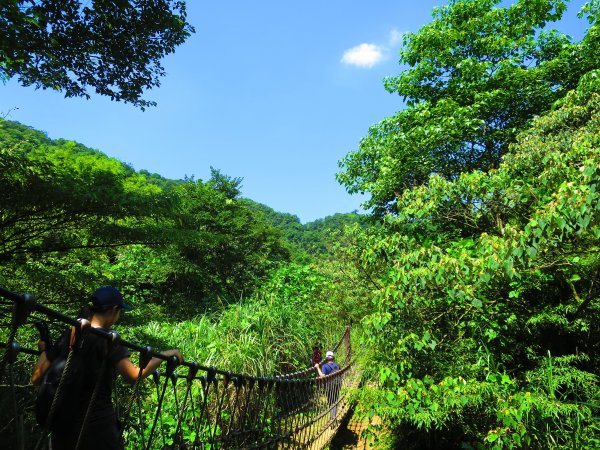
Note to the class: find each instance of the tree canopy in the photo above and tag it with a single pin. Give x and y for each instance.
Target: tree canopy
(108, 47)
(476, 75)
(65, 202)
(488, 302)
(483, 332)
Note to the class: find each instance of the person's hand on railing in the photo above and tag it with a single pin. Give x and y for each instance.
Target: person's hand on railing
(318, 369)
(45, 342)
(174, 352)
(130, 372)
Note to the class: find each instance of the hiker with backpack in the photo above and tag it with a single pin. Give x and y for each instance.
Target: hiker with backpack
(327, 368)
(85, 417)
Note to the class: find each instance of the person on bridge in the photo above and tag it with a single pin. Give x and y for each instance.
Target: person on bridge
(316, 355)
(332, 389)
(329, 366)
(101, 429)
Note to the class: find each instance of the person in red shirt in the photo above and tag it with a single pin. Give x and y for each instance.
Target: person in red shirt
(316, 356)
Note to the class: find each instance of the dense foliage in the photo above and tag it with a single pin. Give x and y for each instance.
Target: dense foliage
(71, 46)
(313, 240)
(484, 330)
(476, 75)
(475, 281)
(488, 306)
(73, 216)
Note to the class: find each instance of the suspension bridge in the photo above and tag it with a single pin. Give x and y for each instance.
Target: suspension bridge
(182, 405)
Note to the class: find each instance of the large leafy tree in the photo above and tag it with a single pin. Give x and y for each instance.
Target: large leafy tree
(224, 246)
(483, 331)
(70, 218)
(485, 327)
(111, 47)
(60, 195)
(476, 75)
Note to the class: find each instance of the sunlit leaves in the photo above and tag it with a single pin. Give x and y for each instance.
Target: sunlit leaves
(484, 274)
(476, 76)
(110, 48)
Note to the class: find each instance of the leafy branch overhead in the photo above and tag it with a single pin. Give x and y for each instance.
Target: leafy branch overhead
(112, 48)
(476, 75)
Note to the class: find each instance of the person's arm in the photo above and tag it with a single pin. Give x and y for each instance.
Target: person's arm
(318, 368)
(130, 372)
(42, 364)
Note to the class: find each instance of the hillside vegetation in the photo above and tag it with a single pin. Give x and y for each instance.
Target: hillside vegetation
(472, 284)
(73, 219)
(484, 329)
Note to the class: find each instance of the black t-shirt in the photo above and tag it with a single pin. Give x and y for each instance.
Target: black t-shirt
(91, 355)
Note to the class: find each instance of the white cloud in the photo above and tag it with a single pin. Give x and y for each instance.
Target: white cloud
(395, 37)
(363, 55)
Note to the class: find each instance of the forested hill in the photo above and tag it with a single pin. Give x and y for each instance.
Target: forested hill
(22, 139)
(206, 271)
(72, 215)
(312, 239)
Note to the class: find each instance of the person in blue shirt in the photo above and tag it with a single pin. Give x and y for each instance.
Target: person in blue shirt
(329, 366)
(332, 387)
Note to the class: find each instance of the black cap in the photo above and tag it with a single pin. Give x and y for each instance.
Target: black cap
(106, 297)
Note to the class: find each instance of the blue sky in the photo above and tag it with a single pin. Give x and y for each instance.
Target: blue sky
(273, 92)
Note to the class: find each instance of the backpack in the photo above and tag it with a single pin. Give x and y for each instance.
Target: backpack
(333, 366)
(69, 401)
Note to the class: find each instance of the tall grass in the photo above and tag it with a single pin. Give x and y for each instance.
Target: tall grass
(259, 336)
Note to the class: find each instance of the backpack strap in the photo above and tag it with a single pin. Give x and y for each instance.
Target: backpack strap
(74, 339)
(332, 366)
(110, 347)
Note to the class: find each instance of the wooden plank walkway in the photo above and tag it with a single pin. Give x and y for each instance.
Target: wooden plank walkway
(349, 436)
